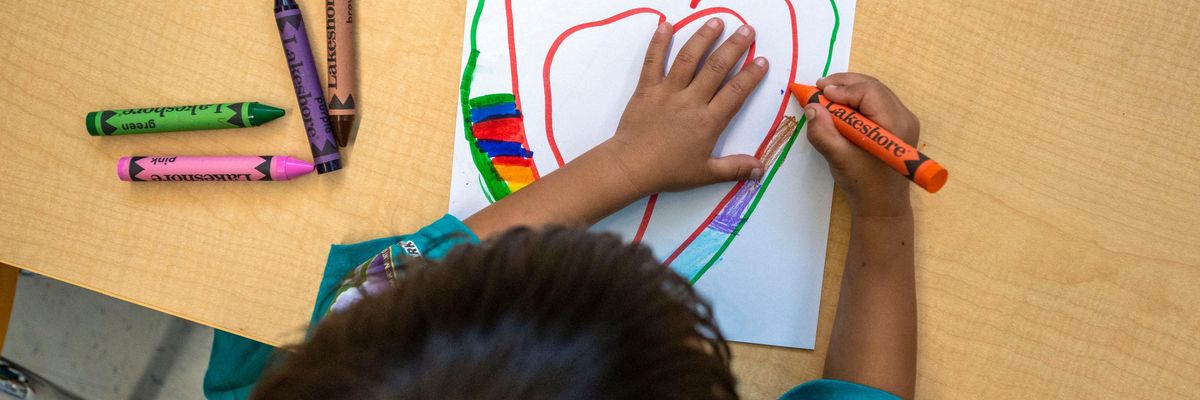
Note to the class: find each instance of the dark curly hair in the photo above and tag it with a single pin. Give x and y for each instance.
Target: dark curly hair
(531, 314)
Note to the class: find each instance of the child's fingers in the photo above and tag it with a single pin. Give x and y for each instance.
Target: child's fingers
(844, 79)
(878, 103)
(823, 135)
(729, 100)
(684, 68)
(735, 168)
(863, 92)
(656, 55)
(723, 60)
(859, 95)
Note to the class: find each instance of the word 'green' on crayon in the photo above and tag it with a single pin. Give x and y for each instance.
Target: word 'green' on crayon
(135, 121)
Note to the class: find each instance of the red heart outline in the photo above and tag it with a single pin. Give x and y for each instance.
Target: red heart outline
(549, 113)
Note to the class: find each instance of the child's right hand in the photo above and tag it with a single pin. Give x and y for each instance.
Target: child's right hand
(872, 188)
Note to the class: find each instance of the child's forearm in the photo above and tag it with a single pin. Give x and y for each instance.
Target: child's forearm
(874, 339)
(582, 192)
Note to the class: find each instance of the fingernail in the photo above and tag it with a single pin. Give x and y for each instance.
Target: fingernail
(756, 174)
(831, 87)
(820, 82)
(713, 23)
(761, 61)
(810, 112)
(745, 31)
(662, 28)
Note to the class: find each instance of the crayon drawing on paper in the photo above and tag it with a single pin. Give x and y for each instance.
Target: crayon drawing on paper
(543, 81)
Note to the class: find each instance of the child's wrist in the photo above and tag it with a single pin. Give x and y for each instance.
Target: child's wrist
(887, 206)
(611, 151)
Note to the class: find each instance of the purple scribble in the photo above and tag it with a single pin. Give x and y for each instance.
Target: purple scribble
(379, 264)
(376, 285)
(368, 279)
(730, 216)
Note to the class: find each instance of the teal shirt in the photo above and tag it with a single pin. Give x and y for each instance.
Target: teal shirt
(237, 363)
(829, 389)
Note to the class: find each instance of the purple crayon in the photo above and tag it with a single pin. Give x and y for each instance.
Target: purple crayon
(307, 83)
(211, 169)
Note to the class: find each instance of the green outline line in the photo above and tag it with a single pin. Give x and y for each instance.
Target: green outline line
(762, 190)
(493, 187)
(492, 99)
(486, 193)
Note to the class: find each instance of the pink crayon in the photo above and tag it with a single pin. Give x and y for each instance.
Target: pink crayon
(211, 169)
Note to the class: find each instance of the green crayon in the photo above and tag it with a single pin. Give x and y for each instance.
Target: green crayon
(182, 118)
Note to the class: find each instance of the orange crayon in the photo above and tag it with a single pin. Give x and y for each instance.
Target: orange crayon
(880, 142)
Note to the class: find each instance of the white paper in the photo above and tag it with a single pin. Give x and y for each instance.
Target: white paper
(766, 285)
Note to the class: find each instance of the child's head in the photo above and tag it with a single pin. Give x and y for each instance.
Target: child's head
(554, 314)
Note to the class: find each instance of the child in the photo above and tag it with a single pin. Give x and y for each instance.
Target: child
(560, 313)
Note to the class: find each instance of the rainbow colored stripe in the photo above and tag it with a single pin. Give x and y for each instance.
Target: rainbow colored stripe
(698, 256)
(498, 132)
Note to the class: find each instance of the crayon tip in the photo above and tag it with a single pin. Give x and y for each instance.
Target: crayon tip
(262, 113)
(802, 92)
(295, 168)
(91, 123)
(123, 169)
(281, 5)
(342, 126)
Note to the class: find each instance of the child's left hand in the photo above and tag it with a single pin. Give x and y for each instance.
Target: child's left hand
(666, 137)
(664, 142)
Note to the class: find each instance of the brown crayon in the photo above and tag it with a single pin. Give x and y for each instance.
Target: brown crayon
(343, 71)
(880, 142)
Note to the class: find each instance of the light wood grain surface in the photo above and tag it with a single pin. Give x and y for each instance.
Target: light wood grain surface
(1061, 261)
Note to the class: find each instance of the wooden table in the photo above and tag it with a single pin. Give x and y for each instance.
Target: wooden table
(1061, 261)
